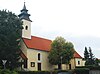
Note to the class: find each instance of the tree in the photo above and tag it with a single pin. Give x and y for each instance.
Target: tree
(61, 52)
(97, 62)
(10, 36)
(86, 55)
(89, 57)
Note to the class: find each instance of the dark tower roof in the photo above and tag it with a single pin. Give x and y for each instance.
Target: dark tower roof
(24, 13)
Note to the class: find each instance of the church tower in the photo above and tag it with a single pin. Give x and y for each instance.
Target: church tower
(24, 16)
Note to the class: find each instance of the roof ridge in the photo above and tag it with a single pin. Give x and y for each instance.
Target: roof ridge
(77, 53)
(38, 43)
(41, 38)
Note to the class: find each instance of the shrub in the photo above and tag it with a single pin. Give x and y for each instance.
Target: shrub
(59, 71)
(42, 72)
(14, 72)
(81, 71)
(91, 67)
(34, 72)
(6, 71)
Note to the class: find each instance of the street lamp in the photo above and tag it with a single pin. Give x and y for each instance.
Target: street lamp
(4, 62)
(61, 62)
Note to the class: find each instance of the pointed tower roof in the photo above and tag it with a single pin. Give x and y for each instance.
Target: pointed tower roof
(24, 7)
(24, 13)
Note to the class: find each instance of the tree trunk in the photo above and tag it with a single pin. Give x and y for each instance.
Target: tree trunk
(59, 66)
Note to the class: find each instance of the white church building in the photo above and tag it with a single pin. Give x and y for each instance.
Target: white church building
(35, 50)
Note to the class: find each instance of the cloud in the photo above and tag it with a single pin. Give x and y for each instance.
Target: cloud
(77, 21)
(88, 41)
(79, 41)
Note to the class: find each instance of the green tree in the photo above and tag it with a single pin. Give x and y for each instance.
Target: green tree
(97, 62)
(86, 56)
(91, 57)
(10, 36)
(61, 52)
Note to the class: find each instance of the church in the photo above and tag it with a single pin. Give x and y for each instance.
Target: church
(35, 50)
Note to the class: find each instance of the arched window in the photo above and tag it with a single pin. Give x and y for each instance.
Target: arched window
(26, 27)
(38, 56)
(78, 62)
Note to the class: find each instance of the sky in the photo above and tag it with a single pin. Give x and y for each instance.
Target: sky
(78, 21)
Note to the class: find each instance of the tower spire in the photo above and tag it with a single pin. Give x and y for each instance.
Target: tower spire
(24, 13)
(24, 7)
(24, 16)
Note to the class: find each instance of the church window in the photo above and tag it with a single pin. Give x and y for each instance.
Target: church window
(78, 62)
(38, 56)
(26, 27)
(32, 64)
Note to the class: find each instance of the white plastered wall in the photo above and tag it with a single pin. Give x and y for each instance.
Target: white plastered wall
(26, 33)
(32, 55)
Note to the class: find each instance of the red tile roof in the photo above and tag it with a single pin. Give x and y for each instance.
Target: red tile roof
(38, 43)
(76, 55)
(42, 44)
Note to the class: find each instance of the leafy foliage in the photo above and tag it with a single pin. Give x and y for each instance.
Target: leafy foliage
(97, 62)
(10, 36)
(61, 52)
(6, 71)
(89, 57)
(86, 54)
(81, 71)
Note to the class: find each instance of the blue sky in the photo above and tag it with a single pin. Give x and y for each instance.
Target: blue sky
(77, 21)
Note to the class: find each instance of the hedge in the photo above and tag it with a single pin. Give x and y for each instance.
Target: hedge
(77, 71)
(6, 71)
(34, 72)
(81, 71)
(91, 67)
(41, 72)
